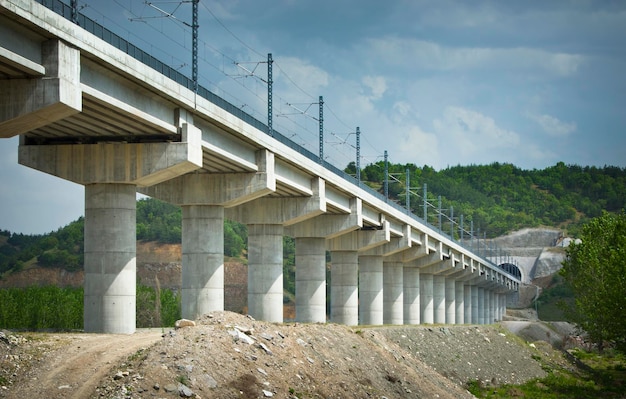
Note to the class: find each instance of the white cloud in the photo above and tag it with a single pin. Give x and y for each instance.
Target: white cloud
(307, 76)
(471, 130)
(417, 146)
(376, 84)
(552, 125)
(416, 53)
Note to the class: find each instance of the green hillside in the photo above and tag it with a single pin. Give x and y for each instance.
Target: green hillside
(500, 198)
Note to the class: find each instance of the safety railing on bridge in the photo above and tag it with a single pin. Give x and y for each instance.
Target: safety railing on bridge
(71, 14)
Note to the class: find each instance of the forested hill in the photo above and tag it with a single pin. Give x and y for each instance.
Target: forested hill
(501, 198)
(497, 198)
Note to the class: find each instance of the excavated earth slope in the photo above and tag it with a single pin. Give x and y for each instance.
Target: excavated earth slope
(228, 355)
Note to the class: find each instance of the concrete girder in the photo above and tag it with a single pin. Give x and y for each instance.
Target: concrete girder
(22, 64)
(415, 249)
(394, 246)
(285, 211)
(338, 201)
(29, 104)
(329, 226)
(223, 189)
(431, 258)
(442, 267)
(372, 217)
(360, 240)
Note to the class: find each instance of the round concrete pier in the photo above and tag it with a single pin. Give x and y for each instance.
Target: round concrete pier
(411, 297)
(344, 292)
(203, 260)
(265, 272)
(393, 300)
(371, 290)
(311, 279)
(110, 258)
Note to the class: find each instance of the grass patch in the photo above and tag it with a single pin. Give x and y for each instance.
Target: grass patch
(604, 377)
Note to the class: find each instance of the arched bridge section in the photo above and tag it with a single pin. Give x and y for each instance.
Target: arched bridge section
(91, 108)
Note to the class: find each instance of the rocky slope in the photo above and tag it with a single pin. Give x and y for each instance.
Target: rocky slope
(228, 355)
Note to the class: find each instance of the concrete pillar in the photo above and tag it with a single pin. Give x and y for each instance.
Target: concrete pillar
(371, 290)
(496, 306)
(486, 306)
(393, 300)
(110, 258)
(475, 305)
(426, 298)
(481, 305)
(311, 279)
(467, 303)
(265, 272)
(450, 288)
(439, 299)
(202, 288)
(492, 307)
(411, 295)
(344, 292)
(459, 298)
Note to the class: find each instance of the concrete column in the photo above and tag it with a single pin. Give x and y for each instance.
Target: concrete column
(371, 290)
(344, 292)
(450, 288)
(481, 305)
(475, 305)
(497, 306)
(504, 298)
(439, 299)
(311, 279)
(492, 307)
(265, 272)
(459, 298)
(426, 298)
(202, 288)
(467, 303)
(411, 283)
(486, 306)
(110, 258)
(393, 300)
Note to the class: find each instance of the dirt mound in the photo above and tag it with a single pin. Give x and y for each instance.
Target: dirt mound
(228, 355)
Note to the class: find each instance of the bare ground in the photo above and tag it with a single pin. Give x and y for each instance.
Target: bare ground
(228, 355)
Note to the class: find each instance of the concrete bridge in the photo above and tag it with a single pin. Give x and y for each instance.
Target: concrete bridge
(91, 108)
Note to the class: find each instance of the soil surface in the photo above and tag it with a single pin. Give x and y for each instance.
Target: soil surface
(229, 355)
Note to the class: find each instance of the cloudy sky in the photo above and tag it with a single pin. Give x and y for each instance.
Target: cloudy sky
(436, 83)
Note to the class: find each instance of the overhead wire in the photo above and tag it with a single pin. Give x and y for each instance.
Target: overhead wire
(185, 27)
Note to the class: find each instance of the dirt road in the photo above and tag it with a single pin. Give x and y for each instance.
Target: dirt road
(78, 363)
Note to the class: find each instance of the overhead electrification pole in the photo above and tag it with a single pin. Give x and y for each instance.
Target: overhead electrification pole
(321, 127)
(270, 129)
(358, 155)
(194, 44)
(386, 188)
(74, 5)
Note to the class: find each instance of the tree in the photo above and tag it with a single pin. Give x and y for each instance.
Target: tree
(595, 268)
